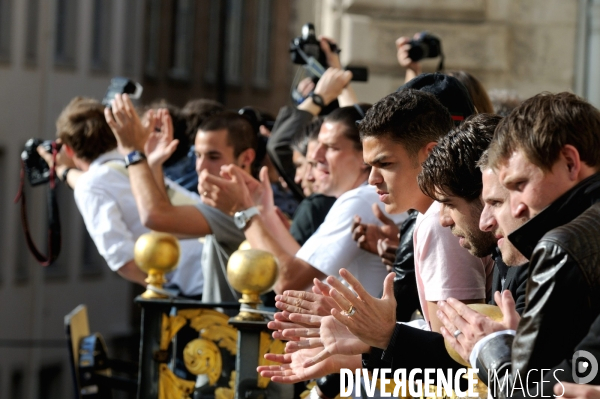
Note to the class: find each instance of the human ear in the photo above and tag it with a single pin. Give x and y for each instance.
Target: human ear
(572, 161)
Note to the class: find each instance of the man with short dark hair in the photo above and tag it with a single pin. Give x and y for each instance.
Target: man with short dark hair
(546, 153)
(223, 139)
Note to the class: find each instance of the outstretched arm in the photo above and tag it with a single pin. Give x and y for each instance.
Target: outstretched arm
(237, 191)
(156, 211)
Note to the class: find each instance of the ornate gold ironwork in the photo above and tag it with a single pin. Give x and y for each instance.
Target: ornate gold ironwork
(201, 355)
(156, 254)
(172, 387)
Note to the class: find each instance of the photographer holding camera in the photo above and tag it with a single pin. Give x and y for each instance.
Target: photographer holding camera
(291, 121)
(88, 162)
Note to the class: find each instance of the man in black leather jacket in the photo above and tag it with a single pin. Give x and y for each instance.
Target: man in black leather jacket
(547, 154)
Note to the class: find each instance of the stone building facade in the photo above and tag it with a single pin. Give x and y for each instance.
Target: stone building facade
(523, 45)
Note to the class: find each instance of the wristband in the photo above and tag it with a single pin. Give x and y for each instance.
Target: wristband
(63, 176)
(317, 99)
(134, 157)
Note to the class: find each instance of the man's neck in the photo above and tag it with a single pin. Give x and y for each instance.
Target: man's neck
(422, 202)
(81, 164)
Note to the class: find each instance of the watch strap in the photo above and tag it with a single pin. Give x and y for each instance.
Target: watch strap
(134, 157)
(317, 99)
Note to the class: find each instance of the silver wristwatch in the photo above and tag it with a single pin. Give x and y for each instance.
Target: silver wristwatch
(242, 218)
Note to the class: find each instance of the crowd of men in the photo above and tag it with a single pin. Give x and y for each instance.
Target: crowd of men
(463, 201)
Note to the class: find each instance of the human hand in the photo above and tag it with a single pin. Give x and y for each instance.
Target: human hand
(387, 252)
(333, 58)
(306, 86)
(331, 84)
(367, 235)
(332, 336)
(282, 322)
(404, 60)
(455, 315)
(292, 370)
(570, 390)
(63, 161)
(160, 144)
(230, 192)
(303, 302)
(374, 319)
(126, 125)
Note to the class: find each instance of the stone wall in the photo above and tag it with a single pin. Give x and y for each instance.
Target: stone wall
(523, 45)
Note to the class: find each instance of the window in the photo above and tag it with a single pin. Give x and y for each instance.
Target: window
(50, 382)
(182, 49)
(17, 384)
(153, 38)
(129, 41)
(101, 34)
(66, 33)
(31, 35)
(210, 75)
(4, 196)
(233, 42)
(5, 29)
(262, 44)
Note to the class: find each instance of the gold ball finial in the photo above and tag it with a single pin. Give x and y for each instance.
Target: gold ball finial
(156, 254)
(251, 272)
(491, 311)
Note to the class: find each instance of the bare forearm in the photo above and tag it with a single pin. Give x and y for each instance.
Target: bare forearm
(131, 272)
(273, 223)
(149, 198)
(294, 273)
(348, 97)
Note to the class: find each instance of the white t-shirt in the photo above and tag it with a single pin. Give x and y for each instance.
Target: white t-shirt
(104, 198)
(331, 247)
(443, 268)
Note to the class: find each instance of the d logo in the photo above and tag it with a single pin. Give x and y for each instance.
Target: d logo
(589, 365)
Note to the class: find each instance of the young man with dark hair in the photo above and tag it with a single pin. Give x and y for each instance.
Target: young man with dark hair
(339, 157)
(408, 347)
(228, 139)
(398, 134)
(104, 196)
(546, 153)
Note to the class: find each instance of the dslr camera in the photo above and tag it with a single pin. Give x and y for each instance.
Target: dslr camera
(425, 46)
(306, 50)
(37, 170)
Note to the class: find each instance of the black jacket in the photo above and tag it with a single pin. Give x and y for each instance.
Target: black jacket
(512, 278)
(412, 348)
(290, 120)
(405, 282)
(563, 298)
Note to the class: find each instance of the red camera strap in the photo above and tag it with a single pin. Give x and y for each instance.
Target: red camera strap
(54, 236)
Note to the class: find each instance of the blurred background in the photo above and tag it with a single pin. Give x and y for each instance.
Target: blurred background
(236, 52)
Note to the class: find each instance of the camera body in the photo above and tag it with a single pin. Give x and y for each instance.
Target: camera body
(307, 45)
(37, 170)
(120, 85)
(310, 45)
(425, 46)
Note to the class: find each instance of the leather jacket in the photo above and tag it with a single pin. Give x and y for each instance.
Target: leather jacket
(563, 297)
(405, 282)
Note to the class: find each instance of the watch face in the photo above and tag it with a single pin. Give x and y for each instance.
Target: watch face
(239, 220)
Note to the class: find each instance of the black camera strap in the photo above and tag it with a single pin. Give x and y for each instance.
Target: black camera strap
(54, 237)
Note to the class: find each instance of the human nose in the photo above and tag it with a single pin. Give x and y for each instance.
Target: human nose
(445, 218)
(487, 222)
(375, 177)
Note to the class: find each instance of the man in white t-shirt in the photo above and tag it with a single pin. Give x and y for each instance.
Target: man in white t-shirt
(105, 200)
(339, 156)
